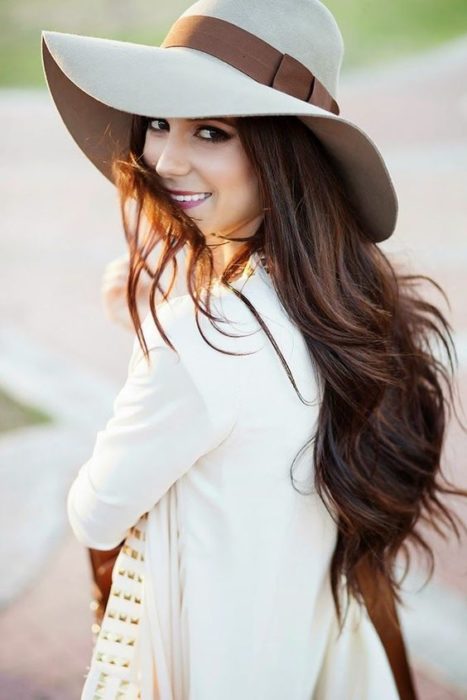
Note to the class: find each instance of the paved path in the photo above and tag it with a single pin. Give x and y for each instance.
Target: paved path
(60, 226)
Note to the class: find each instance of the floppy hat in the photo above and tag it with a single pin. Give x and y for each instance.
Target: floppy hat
(221, 58)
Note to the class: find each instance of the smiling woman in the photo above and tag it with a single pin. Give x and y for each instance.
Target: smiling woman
(206, 170)
(282, 422)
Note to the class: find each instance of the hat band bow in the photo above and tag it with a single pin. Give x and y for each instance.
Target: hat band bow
(251, 55)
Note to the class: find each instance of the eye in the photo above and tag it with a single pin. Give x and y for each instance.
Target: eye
(216, 134)
(153, 122)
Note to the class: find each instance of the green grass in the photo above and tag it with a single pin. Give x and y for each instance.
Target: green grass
(374, 30)
(380, 30)
(14, 414)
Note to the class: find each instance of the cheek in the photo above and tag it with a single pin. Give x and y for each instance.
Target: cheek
(150, 155)
(234, 177)
(245, 188)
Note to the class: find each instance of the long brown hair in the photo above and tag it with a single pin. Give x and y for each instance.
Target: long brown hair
(386, 394)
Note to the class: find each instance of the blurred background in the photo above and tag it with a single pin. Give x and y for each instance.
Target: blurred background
(374, 31)
(62, 360)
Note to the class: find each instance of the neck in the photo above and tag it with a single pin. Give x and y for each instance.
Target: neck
(227, 245)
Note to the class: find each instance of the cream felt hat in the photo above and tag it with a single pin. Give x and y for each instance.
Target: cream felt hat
(221, 58)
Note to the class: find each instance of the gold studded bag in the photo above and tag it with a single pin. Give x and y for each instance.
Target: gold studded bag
(114, 673)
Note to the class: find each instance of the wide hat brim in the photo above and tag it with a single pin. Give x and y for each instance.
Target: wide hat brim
(98, 84)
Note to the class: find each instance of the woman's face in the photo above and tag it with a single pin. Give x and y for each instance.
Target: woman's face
(205, 157)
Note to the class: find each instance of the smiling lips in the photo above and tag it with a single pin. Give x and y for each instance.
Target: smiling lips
(187, 201)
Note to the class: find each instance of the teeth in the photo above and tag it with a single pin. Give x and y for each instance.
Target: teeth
(190, 197)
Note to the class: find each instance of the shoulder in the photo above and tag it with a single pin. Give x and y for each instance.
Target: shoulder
(215, 363)
(185, 327)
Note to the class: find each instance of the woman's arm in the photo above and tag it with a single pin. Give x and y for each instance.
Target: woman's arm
(160, 427)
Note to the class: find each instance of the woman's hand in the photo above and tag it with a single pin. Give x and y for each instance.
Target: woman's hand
(114, 284)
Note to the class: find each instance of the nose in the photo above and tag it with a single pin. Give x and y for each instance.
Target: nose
(173, 160)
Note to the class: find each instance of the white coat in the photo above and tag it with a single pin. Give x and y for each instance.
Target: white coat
(239, 559)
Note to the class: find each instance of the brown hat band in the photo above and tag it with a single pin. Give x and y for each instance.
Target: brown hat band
(251, 55)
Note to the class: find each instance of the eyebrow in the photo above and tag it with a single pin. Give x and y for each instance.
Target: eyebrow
(226, 120)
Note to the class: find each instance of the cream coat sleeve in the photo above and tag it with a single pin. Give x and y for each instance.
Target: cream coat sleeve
(161, 425)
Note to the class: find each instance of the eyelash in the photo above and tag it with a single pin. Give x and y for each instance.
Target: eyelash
(219, 135)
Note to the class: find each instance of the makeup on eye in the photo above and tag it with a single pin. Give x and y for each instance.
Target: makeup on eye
(217, 133)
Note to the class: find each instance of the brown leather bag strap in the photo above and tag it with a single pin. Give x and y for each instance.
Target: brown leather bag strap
(102, 563)
(382, 610)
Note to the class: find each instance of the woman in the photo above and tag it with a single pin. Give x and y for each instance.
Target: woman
(283, 419)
